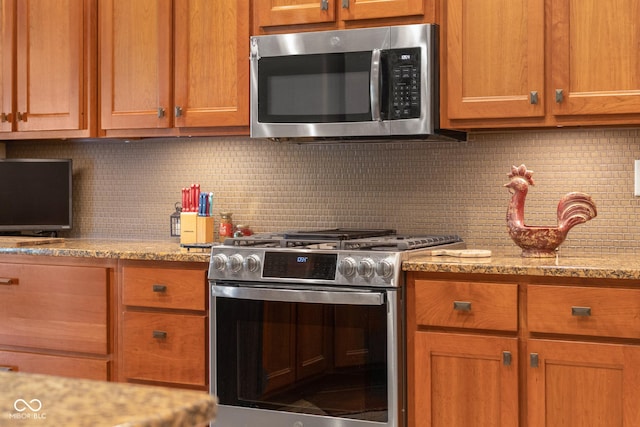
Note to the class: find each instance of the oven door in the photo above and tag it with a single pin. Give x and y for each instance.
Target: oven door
(285, 356)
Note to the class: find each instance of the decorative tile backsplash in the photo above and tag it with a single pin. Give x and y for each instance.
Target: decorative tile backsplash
(127, 190)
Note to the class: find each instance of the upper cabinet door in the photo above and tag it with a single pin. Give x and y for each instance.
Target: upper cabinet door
(49, 69)
(494, 52)
(373, 9)
(6, 64)
(135, 63)
(595, 56)
(271, 13)
(211, 63)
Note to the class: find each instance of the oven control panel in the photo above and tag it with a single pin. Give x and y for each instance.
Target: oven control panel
(330, 267)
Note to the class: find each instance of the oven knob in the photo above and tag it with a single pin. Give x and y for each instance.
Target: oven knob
(252, 263)
(219, 262)
(347, 267)
(234, 263)
(366, 268)
(384, 269)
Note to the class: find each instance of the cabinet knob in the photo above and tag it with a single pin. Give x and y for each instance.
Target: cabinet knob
(506, 358)
(4, 117)
(159, 335)
(178, 111)
(161, 112)
(533, 98)
(324, 4)
(533, 360)
(6, 368)
(8, 281)
(345, 4)
(159, 288)
(581, 311)
(462, 306)
(559, 96)
(22, 117)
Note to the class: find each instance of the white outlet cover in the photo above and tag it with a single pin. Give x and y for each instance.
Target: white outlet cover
(637, 178)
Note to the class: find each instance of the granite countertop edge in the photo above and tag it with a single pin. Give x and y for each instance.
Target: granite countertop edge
(604, 266)
(609, 266)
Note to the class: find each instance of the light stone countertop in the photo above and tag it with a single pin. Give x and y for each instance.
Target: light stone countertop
(48, 401)
(613, 266)
(149, 250)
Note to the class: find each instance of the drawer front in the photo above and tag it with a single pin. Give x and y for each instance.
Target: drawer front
(164, 347)
(54, 307)
(607, 312)
(72, 367)
(164, 288)
(467, 305)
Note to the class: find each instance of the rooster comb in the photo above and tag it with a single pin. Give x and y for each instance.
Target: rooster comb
(523, 172)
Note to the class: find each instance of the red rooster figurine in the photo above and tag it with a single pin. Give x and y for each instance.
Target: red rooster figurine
(573, 209)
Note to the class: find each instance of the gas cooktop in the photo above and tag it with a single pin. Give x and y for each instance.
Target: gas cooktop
(343, 239)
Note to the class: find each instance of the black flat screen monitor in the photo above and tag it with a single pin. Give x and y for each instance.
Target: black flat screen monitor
(35, 195)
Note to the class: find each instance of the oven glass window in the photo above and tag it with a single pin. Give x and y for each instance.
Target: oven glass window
(320, 88)
(319, 359)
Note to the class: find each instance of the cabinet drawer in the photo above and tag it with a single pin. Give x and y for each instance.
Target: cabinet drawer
(73, 367)
(164, 287)
(165, 347)
(467, 305)
(578, 310)
(54, 307)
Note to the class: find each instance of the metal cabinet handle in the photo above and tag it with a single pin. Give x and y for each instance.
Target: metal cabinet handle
(159, 288)
(8, 369)
(4, 118)
(580, 311)
(533, 98)
(178, 111)
(462, 306)
(22, 117)
(324, 4)
(559, 96)
(506, 358)
(534, 360)
(161, 112)
(345, 4)
(160, 335)
(8, 281)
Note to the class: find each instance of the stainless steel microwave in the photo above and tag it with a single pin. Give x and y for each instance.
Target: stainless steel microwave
(357, 84)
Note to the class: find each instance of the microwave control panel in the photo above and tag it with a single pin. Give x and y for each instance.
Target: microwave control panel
(404, 83)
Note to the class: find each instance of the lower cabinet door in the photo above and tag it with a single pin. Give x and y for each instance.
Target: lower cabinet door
(465, 380)
(579, 384)
(73, 367)
(164, 347)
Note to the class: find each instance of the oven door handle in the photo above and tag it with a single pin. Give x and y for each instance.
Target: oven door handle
(297, 295)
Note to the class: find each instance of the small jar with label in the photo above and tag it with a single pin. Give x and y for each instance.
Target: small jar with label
(226, 226)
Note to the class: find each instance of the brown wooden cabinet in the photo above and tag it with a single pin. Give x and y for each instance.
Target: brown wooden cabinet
(303, 15)
(47, 70)
(56, 317)
(164, 324)
(173, 67)
(519, 351)
(539, 63)
(463, 348)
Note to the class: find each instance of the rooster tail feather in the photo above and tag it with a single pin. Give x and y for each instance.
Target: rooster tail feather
(575, 208)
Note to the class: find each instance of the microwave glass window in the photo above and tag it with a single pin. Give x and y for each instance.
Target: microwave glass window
(315, 88)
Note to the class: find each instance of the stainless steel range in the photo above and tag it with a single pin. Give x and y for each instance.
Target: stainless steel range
(307, 327)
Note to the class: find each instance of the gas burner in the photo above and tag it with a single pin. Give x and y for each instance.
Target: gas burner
(400, 243)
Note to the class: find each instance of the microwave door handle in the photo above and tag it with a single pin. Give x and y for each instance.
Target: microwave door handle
(297, 295)
(374, 85)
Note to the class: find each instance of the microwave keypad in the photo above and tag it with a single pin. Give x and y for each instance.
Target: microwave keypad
(405, 84)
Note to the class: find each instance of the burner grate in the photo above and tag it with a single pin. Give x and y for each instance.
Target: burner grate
(402, 243)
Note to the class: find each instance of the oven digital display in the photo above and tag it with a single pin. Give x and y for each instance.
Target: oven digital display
(300, 265)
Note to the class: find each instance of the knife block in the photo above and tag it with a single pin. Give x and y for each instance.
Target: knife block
(195, 229)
